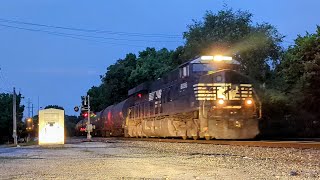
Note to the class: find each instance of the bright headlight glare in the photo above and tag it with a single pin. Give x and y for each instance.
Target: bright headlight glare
(222, 58)
(249, 102)
(220, 101)
(206, 57)
(216, 58)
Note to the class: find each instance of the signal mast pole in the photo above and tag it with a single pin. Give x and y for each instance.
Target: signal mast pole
(89, 126)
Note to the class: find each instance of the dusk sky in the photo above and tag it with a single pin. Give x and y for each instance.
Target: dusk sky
(59, 65)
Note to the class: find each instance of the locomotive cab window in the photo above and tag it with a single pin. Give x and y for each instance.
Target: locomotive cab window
(184, 71)
(199, 67)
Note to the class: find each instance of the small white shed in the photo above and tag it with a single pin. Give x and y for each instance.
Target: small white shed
(51, 126)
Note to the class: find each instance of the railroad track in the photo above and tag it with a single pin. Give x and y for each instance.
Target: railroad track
(254, 143)
(274, 144)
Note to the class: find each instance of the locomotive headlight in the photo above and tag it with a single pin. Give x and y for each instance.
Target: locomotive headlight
(222, 58)
(221, 101)
(206, 58)
(249, 101)
(216, 58)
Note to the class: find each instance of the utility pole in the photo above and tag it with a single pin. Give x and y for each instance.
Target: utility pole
(14, 117)
(38, 105)
(28, 107)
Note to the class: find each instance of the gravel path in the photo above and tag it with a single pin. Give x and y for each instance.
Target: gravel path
(118, 159)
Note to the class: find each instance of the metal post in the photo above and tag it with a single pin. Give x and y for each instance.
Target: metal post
(31, 110)
(89, 123)
(29, 102)
(38, 105)
(14, 118)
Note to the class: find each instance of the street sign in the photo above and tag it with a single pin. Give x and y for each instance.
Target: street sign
(76, 109)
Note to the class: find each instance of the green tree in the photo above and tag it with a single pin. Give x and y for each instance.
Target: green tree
(6, 116)
(70, 124)
(54, 107)
(115, 82)
(256, 46)
(300, 74)
(97, 97)
(35, 131)
(151, 64)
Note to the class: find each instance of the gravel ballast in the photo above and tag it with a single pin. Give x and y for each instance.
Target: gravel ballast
(120, 159)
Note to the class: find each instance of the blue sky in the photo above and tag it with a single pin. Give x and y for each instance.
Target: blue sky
(60, 69)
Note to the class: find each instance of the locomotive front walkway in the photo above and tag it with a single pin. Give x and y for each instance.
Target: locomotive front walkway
(119, 159)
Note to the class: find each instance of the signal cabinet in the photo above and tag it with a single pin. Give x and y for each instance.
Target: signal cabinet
(51, 126)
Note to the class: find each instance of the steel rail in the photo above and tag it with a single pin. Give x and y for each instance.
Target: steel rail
(253, 143)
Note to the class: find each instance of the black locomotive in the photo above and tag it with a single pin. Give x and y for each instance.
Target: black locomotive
(204, 98)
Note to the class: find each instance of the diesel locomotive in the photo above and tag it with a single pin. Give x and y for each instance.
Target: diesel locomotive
(206, 97)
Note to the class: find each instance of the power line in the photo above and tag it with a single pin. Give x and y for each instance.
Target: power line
(85, 37)
(94, 30)
(69, 36)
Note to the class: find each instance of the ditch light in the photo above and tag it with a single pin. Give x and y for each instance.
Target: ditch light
(216, 58)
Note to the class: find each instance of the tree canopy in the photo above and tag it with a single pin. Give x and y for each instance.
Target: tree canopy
(299, 74)
(54, 107)
(256, 46)
(6, 116)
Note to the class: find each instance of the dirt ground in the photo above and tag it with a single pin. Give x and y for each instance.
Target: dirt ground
(119, 159)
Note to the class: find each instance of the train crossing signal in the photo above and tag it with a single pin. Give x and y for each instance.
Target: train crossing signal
(85, 111)
(85, 114)
(84, 101)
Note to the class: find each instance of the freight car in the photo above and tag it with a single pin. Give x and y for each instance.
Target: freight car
(80, 129)
(203, 98)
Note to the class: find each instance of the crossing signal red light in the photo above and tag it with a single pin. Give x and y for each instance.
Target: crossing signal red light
(85, 115)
